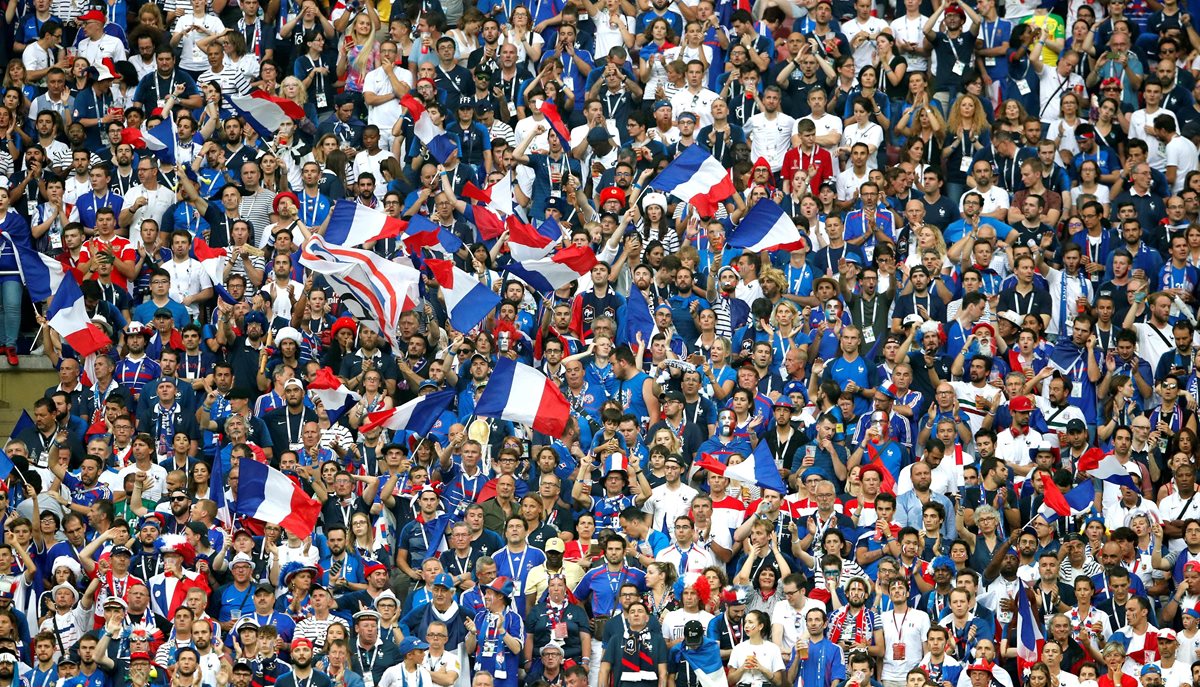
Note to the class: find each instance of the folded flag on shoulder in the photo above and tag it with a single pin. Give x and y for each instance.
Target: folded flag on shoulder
(766, 227)
(549, 273)
(417, 416)
(68, 316)
(519, 393)
(468, 301)
(696, 177)
(269, 495)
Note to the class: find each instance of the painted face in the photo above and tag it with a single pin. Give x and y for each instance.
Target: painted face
(726, 421)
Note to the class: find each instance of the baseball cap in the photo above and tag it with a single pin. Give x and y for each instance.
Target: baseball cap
(693, 633)
(1021, 404)
(1076, 425)
(555, 544)
(444, 580)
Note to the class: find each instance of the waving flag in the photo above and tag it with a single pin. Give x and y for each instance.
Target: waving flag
(637, 320)
(564, 267)
(467, 300)
(423, 233)
(489, 225)
(519, 393)
(766, 227)
(1053, 497)
(439, 145)
(334, 395)
(417, 416)
(501, 194)
(1079, 500)
(384, 289)
(758, 468)
(705, 662)
(697, 178)
(526, 243)
(212, 260)
(1109, 469)
(68, 316)
(353, 224)
(264, 112)
(1029, 634)
(269, 495)
(216, 492)
(159, 140)
(550, 110)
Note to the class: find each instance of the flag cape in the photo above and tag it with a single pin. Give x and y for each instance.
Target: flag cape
(467, 300)
(519, 393)
(269, 495)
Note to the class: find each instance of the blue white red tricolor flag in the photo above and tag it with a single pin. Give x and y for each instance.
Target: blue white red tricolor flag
(385, 289)
(41, 274)
(159, 140)
(758, 468)
(705, 662)
(352, 224)
(550, 110)
(467, 300)
(527, 243)
(68, 316)
(1107, 468)
(269, 495)
(1056, 504)
(264, 112)
(519, 393)
(216, 492)
(439, 145)
(423, 233)
(417, 416)
(766, 227)
(334, 395)
(560, 269)
(1029, 635)
(696, 177)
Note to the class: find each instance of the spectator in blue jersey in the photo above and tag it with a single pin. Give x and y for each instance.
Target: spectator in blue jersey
(851, 371)
(496, 636)
(601, 585)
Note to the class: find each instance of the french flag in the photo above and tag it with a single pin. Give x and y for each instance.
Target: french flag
(216, 492)
(548, 274)
(467, 300)
(334, 395)
(526, 243)
(766, 227)
(42, 274)
(637, 320)
(497, 197)
(615, 461)
(423, 233)
(1108, 469)
(265, 112)
(550, 111)
(68, 316)
(212, 260)
(519, 393)
(1057, 504)
(353, 224)
(705, 662)
(159, 140)
(439, 145)
(267, 494)
(417, 416)
(758, 468)
(1029, 635)
(696, 177)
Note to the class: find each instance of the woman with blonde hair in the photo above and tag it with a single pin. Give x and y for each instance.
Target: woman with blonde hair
(466, 37)
(967, 133)
(784, 331)
(923, 122)
(927, 238)
(359, 53)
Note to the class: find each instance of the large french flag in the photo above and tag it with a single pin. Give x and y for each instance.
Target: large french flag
(435, 139)
(1108, 468)
(519, 393)
(527, 243)
(42, 274)
(564, 267)
(1029, 635)
(68, 316)
(385, 289)
(550, 111)
(697, 178)
(766, 227)
(467, 300)
(353, 224)
(758, 468)
(265, 112)
(423, 233)
(705, 662)
(267, 494)
(417, 416)
(334, 395)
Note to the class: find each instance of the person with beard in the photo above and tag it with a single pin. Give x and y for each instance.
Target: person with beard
(726, 628)
(370, 657)
(303, 674)
(856, 624)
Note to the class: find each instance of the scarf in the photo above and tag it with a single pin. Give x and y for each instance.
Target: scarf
(636, 663)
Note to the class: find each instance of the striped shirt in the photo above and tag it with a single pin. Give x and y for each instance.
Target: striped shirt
(231, 80)
(316, 630)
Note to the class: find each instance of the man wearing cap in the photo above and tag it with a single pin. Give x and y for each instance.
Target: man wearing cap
(496, 635)
(68, 619)
(555, 566)
(96, 45)
(303, 673)
(286, 425)
(370, 657)
(237, 597)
